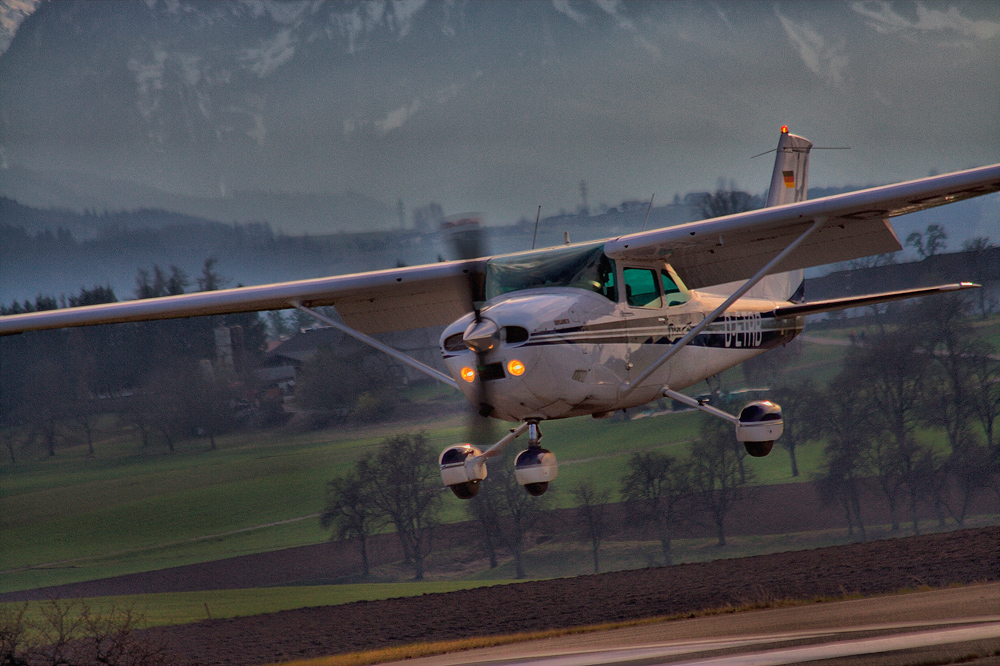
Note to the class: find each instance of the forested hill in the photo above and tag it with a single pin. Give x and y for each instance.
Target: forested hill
(56, 252)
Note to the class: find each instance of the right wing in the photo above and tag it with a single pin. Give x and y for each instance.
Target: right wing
(735, 247)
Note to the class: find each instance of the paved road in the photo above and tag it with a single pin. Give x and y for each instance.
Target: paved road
(902, 629)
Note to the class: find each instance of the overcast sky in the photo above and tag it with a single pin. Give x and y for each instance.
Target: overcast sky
(496, 107)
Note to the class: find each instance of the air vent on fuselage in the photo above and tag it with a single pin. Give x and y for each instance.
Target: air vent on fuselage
(514, 335)
(454, 343)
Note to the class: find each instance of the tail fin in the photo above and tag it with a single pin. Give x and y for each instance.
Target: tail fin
(790, 180)
(789, 183)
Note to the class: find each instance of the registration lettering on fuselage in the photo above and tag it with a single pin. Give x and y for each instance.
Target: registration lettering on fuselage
(742, 329)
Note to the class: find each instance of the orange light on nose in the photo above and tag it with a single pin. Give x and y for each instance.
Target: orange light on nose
(515, 367)
(784, 129)
(468, 374)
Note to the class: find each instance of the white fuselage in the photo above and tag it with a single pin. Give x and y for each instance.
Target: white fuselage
(581, 351)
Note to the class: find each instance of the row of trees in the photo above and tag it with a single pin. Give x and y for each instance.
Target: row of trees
(919, 375)
(157, 378)
(399, 486)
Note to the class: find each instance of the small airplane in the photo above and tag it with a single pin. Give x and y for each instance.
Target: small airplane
(591, 328)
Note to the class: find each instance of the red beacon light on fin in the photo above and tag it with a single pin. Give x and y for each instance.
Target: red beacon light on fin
(784, 129)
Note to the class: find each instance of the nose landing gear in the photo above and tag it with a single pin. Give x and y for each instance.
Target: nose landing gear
(463, 466)
(535, 467)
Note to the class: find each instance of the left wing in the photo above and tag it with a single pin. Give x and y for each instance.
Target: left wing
(735, 247)
(389, 300)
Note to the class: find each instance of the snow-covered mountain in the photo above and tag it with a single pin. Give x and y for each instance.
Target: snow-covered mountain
(492, 106)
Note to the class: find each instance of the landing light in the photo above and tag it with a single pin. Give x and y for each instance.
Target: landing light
(515, 367)
(468, 374)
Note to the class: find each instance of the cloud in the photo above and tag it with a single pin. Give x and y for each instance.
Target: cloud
(12, 14)
(271, 54)
(823, 59)
(360, 21)
(399, 116)
(404, 12)
(149, 81)
(885, 20)
(564, 7)
(612, 8)
(395, 119)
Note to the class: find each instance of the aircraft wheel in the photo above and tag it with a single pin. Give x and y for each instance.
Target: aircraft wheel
(466, 490)
(536, 489)
(758, 449)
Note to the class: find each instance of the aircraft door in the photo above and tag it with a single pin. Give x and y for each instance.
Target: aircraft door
(644, 317)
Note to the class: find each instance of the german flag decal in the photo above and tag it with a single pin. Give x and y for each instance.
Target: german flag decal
(789, 178)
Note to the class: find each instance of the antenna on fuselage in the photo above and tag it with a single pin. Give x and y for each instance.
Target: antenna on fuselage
(538, 216)
(648, 208)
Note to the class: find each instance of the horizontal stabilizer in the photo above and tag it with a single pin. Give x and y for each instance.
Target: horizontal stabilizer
(832, 304)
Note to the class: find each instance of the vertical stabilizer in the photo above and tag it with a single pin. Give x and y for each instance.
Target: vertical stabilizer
(790, 180)
(789, 183)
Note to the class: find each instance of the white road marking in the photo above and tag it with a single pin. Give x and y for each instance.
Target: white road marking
(793, 655)
(855, 647)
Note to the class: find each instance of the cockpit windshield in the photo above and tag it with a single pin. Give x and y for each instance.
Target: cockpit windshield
(583, 267)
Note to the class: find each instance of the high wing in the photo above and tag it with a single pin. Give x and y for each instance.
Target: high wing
(705, 253)
(735, 247)
(375, 302)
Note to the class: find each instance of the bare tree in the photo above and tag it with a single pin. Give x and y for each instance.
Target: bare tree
(404, 479)
(210, 279)
(890, 372)
(846, 420)
(927, 243)
(717, 482)
(839, 481)
(726, 202)
(518, 512)
(799, 403)
(351, 511)
(977, 248)
(590, 504)
(656, 489)
(71, 632)
(484, 509)
(45, 404)
(984, 398)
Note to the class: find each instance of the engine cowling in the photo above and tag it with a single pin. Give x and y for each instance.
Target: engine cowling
(534, 468)
(462, 469)
(759, 425)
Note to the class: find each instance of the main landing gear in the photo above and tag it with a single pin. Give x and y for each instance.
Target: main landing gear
(757, 426)
(463, 466)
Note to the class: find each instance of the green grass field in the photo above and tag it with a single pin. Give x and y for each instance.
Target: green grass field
(183, 607)
(73, 518)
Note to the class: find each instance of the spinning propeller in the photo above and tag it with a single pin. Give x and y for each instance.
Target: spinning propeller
(467, 239)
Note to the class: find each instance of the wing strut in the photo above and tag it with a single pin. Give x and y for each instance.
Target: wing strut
(396, 354)
(628, 387)
(698, 404)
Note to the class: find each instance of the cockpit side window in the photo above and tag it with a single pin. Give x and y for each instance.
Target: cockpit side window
(675, 295)
(641, 288)
(606, 271)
